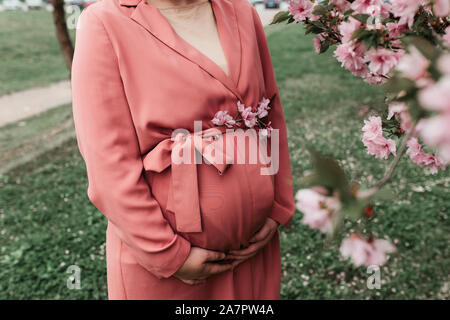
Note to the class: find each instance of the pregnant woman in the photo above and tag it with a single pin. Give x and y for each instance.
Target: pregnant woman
(144, 69)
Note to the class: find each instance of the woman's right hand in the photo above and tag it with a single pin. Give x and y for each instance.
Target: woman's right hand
(201, 264)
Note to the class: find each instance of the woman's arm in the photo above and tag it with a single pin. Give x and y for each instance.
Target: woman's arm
(108, 143)
(284, 205)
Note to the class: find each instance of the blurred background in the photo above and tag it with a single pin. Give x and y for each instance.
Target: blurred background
(47, 223)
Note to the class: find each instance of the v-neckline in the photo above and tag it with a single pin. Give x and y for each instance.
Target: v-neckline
(221, 40)
(157, 24)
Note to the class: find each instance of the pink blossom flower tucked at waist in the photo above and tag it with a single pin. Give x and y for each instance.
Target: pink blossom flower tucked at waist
(263, 108)
(366, 252)
(223, 118)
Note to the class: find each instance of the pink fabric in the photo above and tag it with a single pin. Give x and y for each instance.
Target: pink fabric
(134, 81)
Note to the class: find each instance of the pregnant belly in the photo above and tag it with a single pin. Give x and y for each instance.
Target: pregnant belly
(233, 205)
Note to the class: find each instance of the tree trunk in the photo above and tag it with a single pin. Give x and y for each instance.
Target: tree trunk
(59, 19)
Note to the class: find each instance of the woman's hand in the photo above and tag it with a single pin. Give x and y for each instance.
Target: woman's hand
(201, 264)
(257, 242)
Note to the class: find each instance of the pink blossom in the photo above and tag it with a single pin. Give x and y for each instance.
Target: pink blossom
(400, 110)
(302, 10)
(350, 56)
(366, 252)
(434, 131)
(318, 43)
(395, 29)
(247, 115)
(436, 96)
(223, 118)
(382, 60)
(361, 6)
(341, 5)
(347, 28)
(263, 108)
(424, 160)
(441, 8)
(374, 141)
(413, 65)
(446, 36)
(317, 209)
(371, 7)
(405, 10)
(396, 108)
(443, 64)
(374, 79)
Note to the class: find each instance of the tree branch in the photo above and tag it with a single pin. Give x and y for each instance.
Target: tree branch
(390, 172)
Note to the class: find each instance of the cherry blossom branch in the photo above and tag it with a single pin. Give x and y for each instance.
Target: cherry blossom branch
(390, 172)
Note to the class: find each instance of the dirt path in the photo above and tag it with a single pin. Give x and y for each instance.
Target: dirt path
(23, 104)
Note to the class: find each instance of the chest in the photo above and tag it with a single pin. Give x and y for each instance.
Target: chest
(169, 83)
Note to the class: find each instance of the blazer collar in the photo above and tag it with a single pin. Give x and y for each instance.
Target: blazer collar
(155, 23)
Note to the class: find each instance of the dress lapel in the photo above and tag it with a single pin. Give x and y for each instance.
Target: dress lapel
(154, 22)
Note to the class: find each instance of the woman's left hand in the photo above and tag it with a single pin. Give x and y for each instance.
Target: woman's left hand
(257, 242)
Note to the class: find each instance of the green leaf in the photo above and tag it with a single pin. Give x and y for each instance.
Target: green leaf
(424, 46)
(385, 194)
(397, 84)
(281, 16)
(361, 17)
(324, 45)
(320, 10)
(354, 209)
(328, 173)
(359, 33)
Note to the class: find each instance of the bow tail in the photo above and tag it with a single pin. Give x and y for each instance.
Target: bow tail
(183, 198)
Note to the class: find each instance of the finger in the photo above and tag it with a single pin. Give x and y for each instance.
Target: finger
(247, 251)
(216, 268)
(261, 234)
(214, 255)
(237, 262)
(193, 282)
(253, 248)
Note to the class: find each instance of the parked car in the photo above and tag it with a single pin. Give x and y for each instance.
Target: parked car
(272, 4)
(87, 3)
(14, 5)
(35, 4)
(79, 3)
(254, 2)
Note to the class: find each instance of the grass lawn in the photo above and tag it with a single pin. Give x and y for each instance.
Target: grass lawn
(29, 51)
(48, 224)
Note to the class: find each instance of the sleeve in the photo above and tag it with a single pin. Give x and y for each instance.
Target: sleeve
(284, 206)
(108, 144)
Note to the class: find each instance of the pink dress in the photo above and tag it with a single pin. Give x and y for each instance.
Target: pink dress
(135, 81)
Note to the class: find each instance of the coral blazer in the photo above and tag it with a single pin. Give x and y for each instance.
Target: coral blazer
(134, 81)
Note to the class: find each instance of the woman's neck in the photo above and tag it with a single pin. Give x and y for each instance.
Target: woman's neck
(171, 3)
